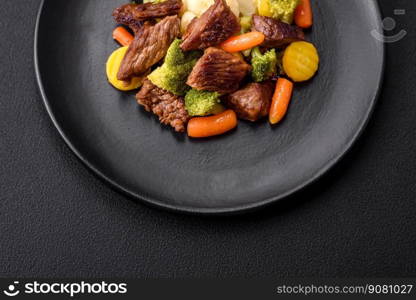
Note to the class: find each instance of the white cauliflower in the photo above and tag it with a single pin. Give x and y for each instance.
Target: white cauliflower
(247, 7)
(186, 20)
(198, 7)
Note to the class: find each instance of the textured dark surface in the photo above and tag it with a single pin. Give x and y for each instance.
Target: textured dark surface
(57, 219)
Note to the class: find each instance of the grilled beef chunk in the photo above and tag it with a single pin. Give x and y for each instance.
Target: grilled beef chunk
(218, 71)
(169, 107)
(252, 102)
(216, 25)
(277, 33)
(134, 15)
(149, 46)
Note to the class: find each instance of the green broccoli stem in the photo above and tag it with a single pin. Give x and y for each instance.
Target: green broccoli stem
(255, 52)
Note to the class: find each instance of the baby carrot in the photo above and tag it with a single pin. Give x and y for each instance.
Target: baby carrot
(202, 127)
(243, 42)
(121, 35)
(281, 100)
(303, 14)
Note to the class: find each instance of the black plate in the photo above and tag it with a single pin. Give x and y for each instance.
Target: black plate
(248, 168)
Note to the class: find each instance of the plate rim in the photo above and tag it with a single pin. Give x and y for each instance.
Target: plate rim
(240, 209)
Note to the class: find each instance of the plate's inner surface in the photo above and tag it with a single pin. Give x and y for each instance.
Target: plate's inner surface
(250, 166)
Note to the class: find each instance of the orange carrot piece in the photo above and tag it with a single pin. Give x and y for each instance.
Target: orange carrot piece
(243, 42)
(121, 35)
(281, 100)
(303, 14)
(202, 127)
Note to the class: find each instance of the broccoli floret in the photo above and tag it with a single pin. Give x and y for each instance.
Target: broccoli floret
(264, 65)
(172, 75)
(283, 9)
(201, 103)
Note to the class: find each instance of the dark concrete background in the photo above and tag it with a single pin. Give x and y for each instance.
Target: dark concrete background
(58, 220)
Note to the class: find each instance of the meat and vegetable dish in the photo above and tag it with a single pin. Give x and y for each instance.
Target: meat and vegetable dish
(202, 65)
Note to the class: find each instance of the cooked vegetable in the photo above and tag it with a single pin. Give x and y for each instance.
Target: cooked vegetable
(263, 7)
(264, 65)
(186, 20)
(172, 75)
(246, 53)
(202, 127)
(121, 35)
(217, 109)
(112, 67)
(300, 61)
(303, 14)
(201, 103)
(245, 23)
(153, 1)
(280, 68)
(198, 7)
(281, 100)
(243, 42)
(247, 7)
(282, 10)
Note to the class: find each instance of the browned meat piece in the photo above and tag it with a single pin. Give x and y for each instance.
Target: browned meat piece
(134, 15)
(149, 46)
(218, 71)
(252, 102)
(170, 108)
(277, 33)
(215, 26)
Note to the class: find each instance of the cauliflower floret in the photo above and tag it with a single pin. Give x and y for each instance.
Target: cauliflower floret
(198, 7)
(186, 20)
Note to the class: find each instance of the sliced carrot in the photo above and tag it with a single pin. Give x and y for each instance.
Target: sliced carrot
(281, 100)
(121, 35)
(202, 127)
(303, 14)
(243, 42)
